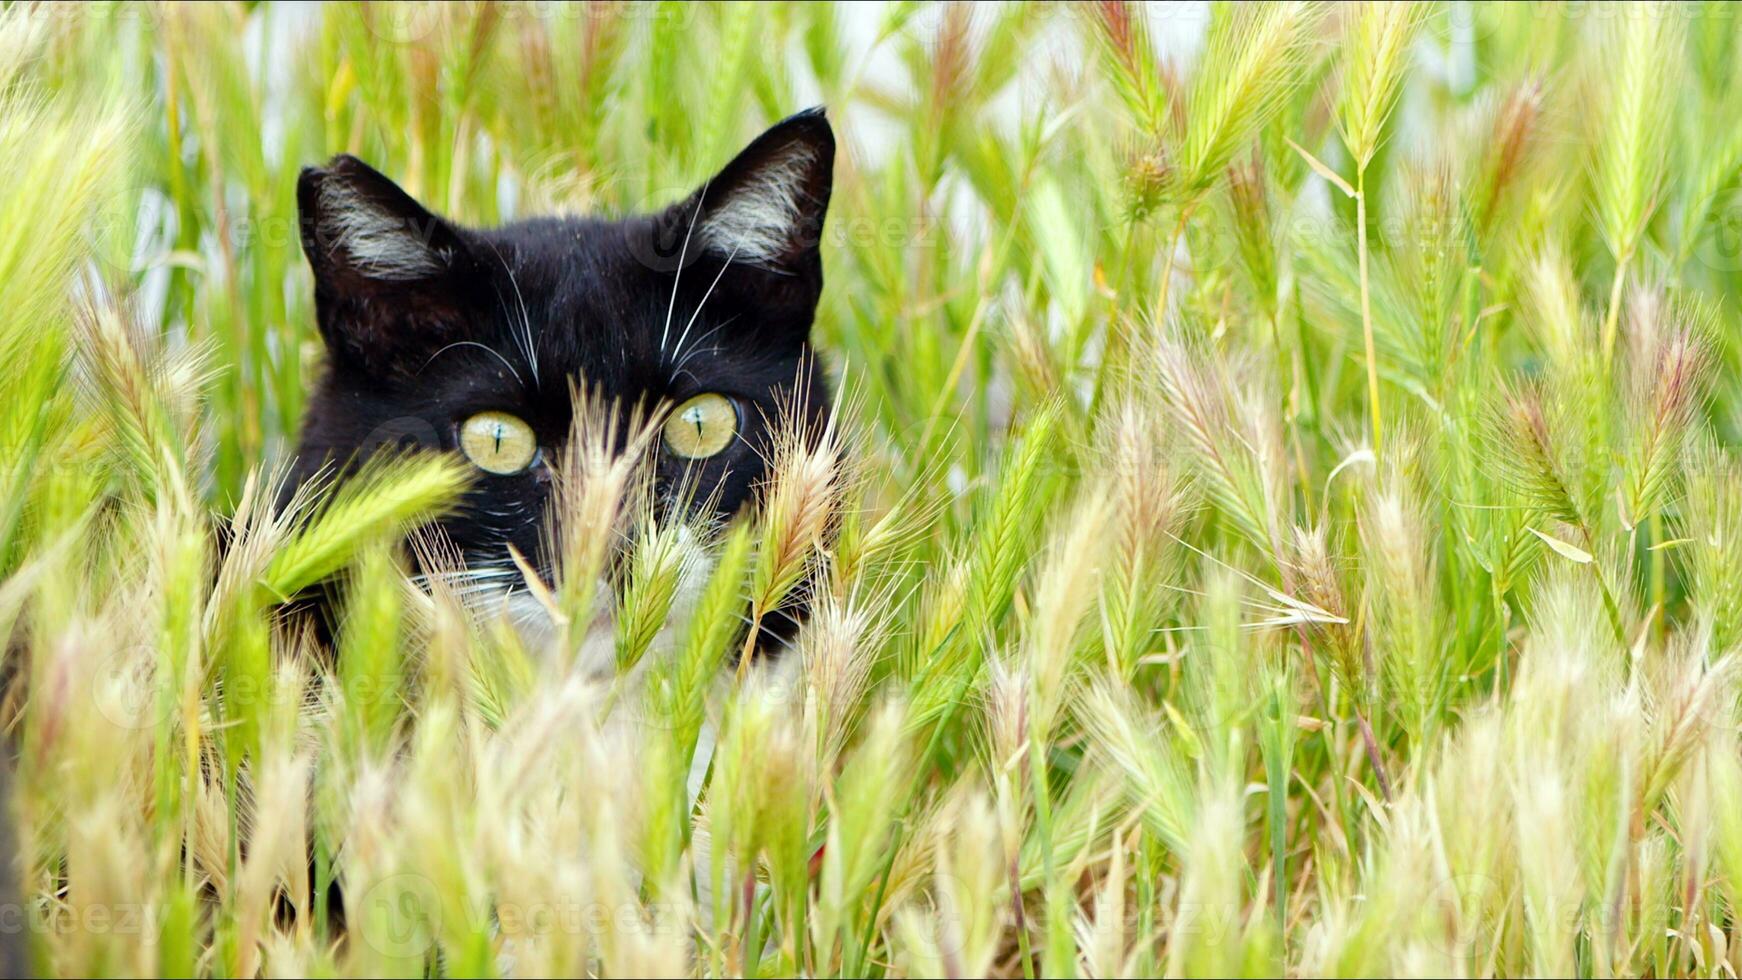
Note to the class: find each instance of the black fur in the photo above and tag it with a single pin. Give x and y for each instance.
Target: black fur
(413, 356)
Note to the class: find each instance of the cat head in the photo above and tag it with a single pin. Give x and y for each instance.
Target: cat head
(472, 340)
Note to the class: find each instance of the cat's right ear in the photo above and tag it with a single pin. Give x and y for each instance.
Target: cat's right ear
(387, 272)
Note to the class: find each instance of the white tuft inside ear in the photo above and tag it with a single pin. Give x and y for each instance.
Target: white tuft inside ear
(380, 244)
(758, 222)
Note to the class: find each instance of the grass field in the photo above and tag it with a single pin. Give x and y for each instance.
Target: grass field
(1286, 517)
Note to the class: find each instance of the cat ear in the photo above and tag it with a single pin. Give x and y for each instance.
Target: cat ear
(358, 226)
(384, 266)
(766, 208)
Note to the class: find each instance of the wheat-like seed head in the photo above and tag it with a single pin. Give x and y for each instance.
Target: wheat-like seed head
(1251, 56)
(1376, 40)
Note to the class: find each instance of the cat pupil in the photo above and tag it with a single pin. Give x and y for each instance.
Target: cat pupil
(498, 437)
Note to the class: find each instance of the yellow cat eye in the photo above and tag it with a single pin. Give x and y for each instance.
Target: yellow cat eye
(701, 427)
(498, 442)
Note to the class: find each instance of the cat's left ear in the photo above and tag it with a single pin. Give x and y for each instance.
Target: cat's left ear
(766, 207)
(763, 213)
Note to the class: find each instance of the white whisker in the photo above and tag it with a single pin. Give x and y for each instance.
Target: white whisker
(684, 356)
(682, 252)
(483, 347)
(681, 370)
(529, 348)
(710, 349)
(710, 292)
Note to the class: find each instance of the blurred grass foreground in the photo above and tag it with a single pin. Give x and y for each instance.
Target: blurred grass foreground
(1286, 516)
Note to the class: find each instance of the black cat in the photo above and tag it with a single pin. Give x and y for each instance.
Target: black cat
(471, 340)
